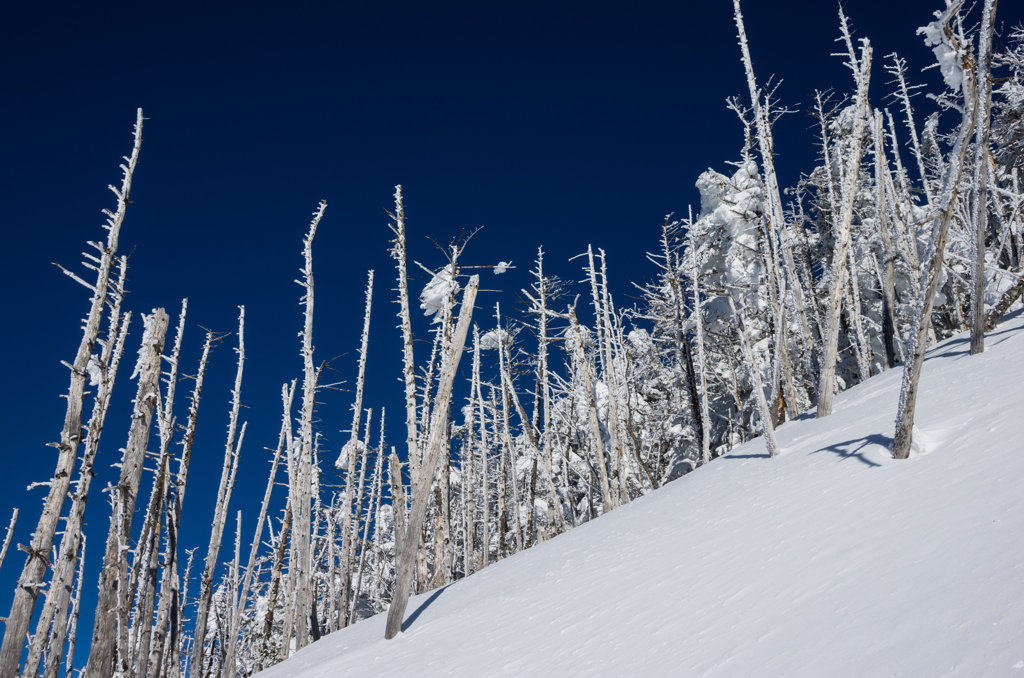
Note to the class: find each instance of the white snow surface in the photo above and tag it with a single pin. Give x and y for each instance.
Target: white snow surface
(831, 560)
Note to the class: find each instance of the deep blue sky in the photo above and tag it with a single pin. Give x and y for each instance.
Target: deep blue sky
(554, 124)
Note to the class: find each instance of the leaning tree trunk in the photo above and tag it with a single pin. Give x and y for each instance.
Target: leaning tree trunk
(918, 339)
(55, 609)
(414, 528)
(23, 606)
(110, 606)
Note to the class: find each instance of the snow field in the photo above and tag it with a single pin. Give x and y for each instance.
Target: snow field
(831, 560)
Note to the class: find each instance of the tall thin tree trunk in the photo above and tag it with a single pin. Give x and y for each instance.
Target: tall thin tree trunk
(8, 535)
(981, 153)
(231, 451)
(918, 340)
(755, 377)
(882, 221)
(406, 559)
(348, 547)
(113, 599)
(826, 388)
(34, 570)
(300, 566)
(56, 606)
(607, 497)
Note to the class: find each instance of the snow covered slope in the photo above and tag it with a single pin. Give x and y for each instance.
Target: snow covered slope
(832, 560)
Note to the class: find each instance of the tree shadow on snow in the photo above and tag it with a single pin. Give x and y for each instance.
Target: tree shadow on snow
(419, 610)
(842, 448)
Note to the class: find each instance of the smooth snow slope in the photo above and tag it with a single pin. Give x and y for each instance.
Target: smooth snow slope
(832, 560)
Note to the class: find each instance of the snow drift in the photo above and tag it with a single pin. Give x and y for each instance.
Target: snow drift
(831, 560)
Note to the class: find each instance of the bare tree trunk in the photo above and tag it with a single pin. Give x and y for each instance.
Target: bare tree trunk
(34, 570)
(506, 386)
(826, 389)
(300, 566)
(705, 435)
(372, 511)
(882, 220)
(8, 535)
(595, 424)
(353, 536)
(55, 609)
(348, 552)
(981, 152)
(766, 146)
(604, 355)
(166, 633)
(918, 340)
(410, 543)
(755, 377)
(408, 361)
(113, 599)
(275, 585)
(76, 603)
(231, 451)
(486, 546)
(235, 605)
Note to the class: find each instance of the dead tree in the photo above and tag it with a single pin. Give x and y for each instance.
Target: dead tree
(300, 472)
(34, 570)
(8, 535)
(410, 541)
(983, 81)
(111, 606)
(931, 272)
(840, 259)
(227, 477)
(348, 546)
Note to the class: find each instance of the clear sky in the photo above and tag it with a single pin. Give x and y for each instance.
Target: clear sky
(553, 124)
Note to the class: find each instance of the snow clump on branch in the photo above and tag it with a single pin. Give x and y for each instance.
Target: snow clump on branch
(947, 56)
(437, 290)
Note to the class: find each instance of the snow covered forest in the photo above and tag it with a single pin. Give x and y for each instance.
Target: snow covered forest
(522, 423)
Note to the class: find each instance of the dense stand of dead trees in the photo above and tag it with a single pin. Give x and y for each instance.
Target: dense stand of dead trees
(759, 311)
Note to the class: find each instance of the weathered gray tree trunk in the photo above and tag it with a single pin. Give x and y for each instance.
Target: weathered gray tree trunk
(8, 535)
(113, 599)
(826, 388)
(607, 497)
(301, 480)
(481, 420)
(882, 219)
(698, 315)
(348, 545)
(34, 570)
(755, 377)
(410, 541)
(287, 396)
(166, 633)
(55, 609)
(227, 477)
(983, 80)
(946, 204)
